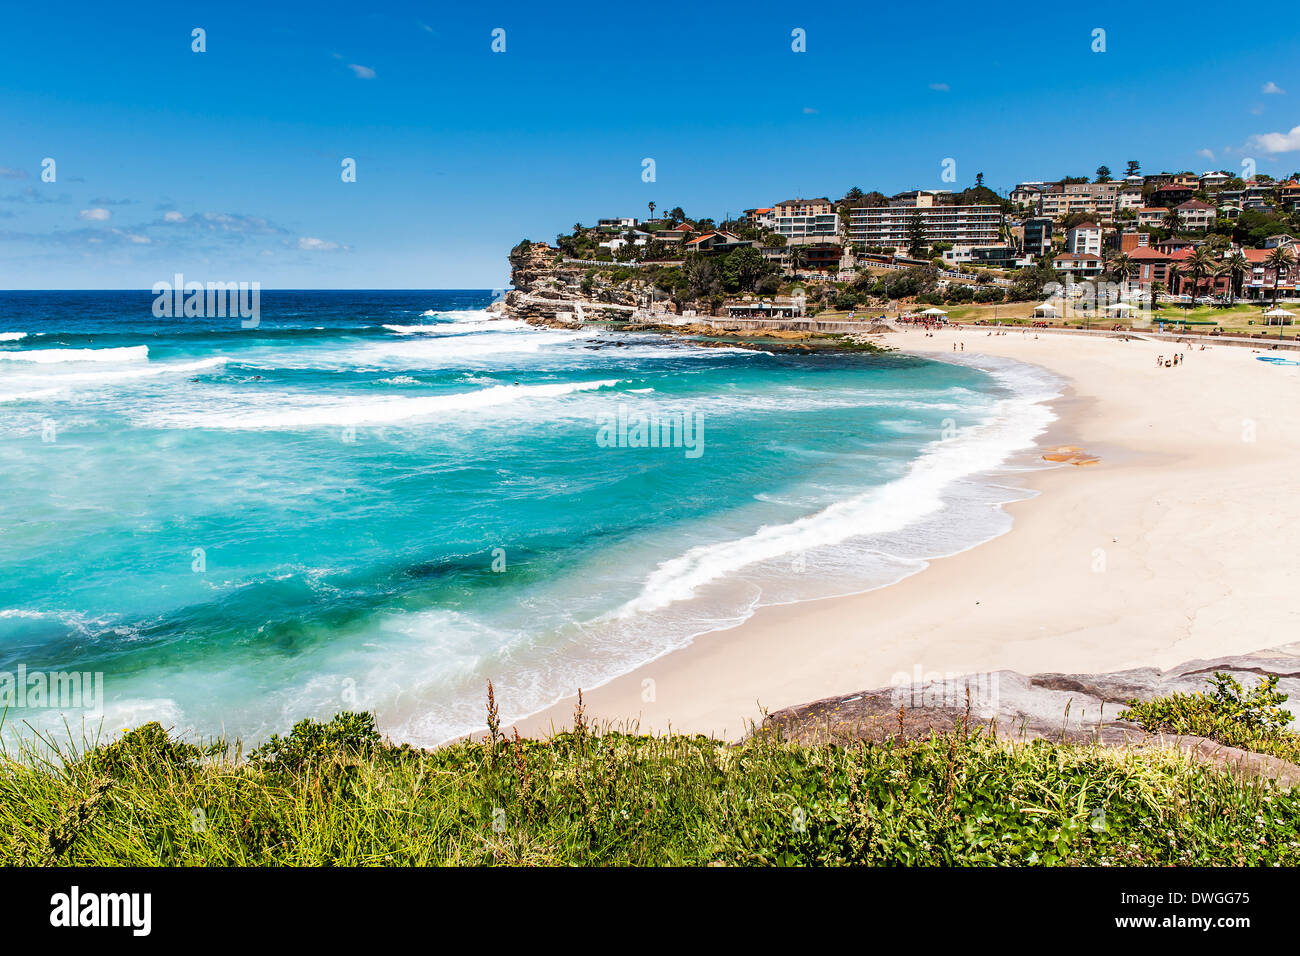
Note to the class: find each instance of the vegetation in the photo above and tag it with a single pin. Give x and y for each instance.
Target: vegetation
(335, 793)
(1252, 720)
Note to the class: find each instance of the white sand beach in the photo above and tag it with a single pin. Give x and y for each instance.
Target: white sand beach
(1179, 544)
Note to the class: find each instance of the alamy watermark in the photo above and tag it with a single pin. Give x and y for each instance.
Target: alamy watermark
(214, 300)
(626, 429)
(949, 689)
(64, 690)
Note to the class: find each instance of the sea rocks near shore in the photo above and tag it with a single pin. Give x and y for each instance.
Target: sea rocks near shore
(1073, 708)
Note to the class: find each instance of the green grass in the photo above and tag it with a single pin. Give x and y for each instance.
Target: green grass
(336, 794)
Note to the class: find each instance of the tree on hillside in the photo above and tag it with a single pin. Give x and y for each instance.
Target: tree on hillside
(1280, 260)
(798, 258)
(1133, 168)
(979, 180)
(1173, 221)
(652, 209)
(1103, 174)
(1199, 266)
(1120, 268)
(744, 267)
(854, 194)
(916, 236)
(1237, 268)
(677, 214)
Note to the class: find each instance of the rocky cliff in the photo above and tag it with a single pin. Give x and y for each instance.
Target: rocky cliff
(548, 290)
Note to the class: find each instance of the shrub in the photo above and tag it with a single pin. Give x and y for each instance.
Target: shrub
(347, 734)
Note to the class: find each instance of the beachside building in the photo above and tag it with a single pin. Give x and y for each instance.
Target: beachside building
(720, 241)
(1038, 236)
(639, 238)
(1196, 215)
(805, 220)
(1171, 195)
(1060, 200)
(1128, 241)
(1263, 280)
(1212, 180)
(1289, 195)
(1028, 195)
(1078, 266)
(1130, 197)
(989, 257)
(781, 306)
(890, 226)
(1084, 239)
(1151, 216)
(1257, 195)
(617, 225)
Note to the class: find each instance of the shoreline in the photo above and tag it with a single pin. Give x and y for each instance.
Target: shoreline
(1074, 586)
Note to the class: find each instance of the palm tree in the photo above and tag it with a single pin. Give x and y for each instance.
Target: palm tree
(1236, 267)
(798, 258)
(1174, 275)
(1121, 266)
(1280, 260)
(1200, 265)
(1173, 221)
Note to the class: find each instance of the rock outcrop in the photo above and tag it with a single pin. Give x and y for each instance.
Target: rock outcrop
(547, 290)
(1074, 708)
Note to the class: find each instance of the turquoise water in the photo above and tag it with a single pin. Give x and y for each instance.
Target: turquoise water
(381, 499)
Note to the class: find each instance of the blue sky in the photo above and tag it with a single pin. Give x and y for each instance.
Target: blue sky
(225, 165)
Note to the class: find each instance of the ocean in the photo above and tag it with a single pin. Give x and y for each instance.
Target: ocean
(380, 500)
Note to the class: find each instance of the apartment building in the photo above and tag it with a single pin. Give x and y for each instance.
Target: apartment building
(890, 226)
(1130, 197)
(1196, 214)
(805, 220)
(1084, 239)
(1077, 265)
(1065, 199)
(1027, 195)
(1038, 236)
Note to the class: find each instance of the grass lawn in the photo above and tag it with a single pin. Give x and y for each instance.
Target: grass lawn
(1241, 319)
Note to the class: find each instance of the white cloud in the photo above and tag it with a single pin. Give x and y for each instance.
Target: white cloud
(173, 216)
(941, 87)
(134, 237)
(1207, 153)
(808, 110)
(1276, 142)
(10, 173)
(312, 244)
(1271, 87)
(95, 215)
(362, 72)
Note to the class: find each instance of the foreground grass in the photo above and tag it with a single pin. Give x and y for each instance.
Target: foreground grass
(335, 794)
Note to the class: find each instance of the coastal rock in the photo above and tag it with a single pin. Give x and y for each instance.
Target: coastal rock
(1073, 708)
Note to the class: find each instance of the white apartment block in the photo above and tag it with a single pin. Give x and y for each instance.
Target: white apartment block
(804, 220)
(890, 226)
(1084, 239)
